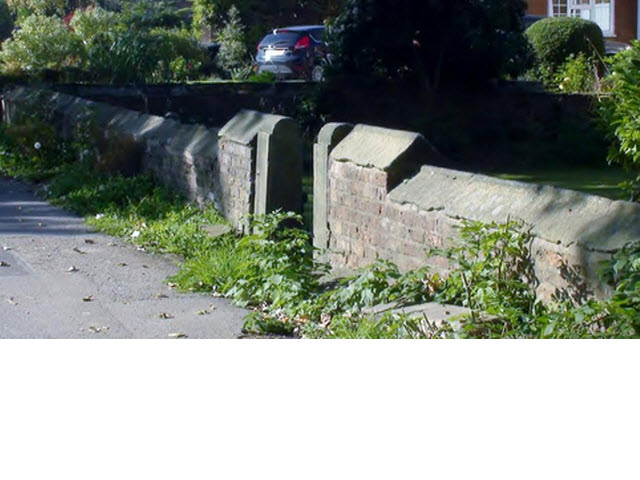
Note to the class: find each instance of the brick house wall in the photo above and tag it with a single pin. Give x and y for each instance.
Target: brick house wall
(626, 17)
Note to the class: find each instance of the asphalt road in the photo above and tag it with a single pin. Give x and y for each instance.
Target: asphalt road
(59, 279)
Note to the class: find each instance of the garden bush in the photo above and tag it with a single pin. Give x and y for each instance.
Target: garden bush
(42, 42)
(579, 74)
(232, 55)
(555, 39)
(620, 114)
(101, 46)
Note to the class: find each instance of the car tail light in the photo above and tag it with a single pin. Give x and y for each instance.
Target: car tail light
(304, 42)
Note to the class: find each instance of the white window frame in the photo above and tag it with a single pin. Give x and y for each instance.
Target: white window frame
(592, 4)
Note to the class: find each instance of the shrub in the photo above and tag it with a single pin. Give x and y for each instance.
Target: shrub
(620, 114)
(579, 74)
(102, 47)
(24, 8)
(555, 39)
(458, 41)
(41, 43)
(233, 51)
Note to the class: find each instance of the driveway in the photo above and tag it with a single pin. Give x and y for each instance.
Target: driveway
(59, 279)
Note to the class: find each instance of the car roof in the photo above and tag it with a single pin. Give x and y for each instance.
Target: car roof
(300, 28)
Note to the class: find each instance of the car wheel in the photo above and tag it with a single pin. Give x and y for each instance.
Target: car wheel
(317, 74)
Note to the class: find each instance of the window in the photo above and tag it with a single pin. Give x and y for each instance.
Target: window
(598, 11)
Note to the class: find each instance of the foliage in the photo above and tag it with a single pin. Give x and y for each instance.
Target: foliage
(455, 42)
(25, 8)
(104, 48)
(579, 74)
(261, 17)
(148, 14)
(620, 114)
(566, 47)
(493, 273)
(555, 39)
(233, 51)
(273, 266)
(42, 42)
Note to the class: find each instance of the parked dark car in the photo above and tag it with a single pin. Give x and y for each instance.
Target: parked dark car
(294, 52)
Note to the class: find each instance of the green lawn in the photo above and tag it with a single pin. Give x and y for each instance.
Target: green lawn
(597, 181)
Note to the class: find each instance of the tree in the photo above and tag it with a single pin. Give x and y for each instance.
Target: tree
(465, 41)
(233, 50)
(261, 16)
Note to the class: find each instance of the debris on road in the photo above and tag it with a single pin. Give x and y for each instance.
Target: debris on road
(178, 335)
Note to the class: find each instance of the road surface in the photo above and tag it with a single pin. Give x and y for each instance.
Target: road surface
(59, 279)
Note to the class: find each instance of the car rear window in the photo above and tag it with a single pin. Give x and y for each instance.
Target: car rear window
(280, 39)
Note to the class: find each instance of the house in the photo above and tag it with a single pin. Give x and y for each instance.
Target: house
(618, 19)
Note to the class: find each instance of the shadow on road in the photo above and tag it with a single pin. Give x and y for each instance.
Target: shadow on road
(23, 214)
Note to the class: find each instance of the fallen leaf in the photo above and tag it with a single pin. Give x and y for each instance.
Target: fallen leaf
(98, 329)
(88, 298)
(177, 335)
(165, 316)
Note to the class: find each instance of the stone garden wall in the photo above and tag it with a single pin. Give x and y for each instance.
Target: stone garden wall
(375, 196)
(251, 165)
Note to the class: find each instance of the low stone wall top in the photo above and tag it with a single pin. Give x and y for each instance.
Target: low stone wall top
(560, 216)
(252, 165)
(376, 195)
(396, 152)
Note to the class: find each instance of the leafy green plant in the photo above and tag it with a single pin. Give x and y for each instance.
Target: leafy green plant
(232, 55)
(42, 42)
(568, 53)
(619, 113)
(579, 74)
(103, 46)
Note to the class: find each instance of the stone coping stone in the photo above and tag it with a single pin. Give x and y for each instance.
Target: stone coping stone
(244, 127)
(557, 215)
(376, 147)
(333, 133)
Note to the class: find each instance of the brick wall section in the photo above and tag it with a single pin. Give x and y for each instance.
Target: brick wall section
(236, 193)
(365, 225)
(573, 232)
(626, 21)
